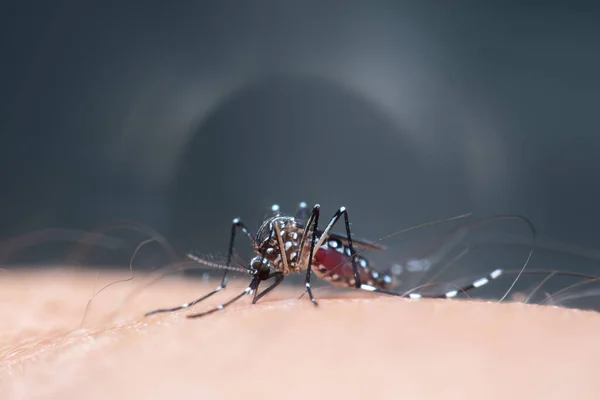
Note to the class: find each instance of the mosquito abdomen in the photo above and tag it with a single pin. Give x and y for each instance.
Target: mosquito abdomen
(334, 264)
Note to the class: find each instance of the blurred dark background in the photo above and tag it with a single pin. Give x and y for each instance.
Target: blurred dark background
(184, 116)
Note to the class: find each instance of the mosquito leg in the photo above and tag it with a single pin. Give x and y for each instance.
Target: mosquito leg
(312, 223)
(486, 279)
(336, 217)
(278, 275)
(314, 220)
(186, 305)
(481, 281)
(453, 293)
(237, 224)
(249, 290)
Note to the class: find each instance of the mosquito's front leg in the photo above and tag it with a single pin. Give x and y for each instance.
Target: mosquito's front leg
(249, 290)
(236, 224)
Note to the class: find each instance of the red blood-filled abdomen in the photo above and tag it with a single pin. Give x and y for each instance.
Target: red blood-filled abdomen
(332, 263)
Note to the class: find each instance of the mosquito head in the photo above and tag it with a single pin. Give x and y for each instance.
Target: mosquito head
(261, 266)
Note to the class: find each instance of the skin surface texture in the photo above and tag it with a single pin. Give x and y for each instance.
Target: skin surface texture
(356, 346)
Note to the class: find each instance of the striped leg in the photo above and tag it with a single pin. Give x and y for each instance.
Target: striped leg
(412, 294)
(237, 224)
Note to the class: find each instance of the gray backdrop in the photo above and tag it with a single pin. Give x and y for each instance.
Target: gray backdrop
(184, 116)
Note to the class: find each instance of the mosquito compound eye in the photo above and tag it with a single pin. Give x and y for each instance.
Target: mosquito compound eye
(260, 264)
(261, 267)
(256, 263)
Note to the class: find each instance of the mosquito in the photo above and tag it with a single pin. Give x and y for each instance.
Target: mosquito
(285, 245)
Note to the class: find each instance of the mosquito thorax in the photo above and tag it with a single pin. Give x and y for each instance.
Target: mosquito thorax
(280, 236)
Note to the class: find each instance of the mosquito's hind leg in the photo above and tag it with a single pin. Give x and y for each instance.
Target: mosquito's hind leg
(237, 224)
(185, 305)
(412, 294)
(476, 283)
(312, 224)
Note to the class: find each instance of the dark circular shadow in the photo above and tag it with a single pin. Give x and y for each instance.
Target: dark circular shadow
(286, 139)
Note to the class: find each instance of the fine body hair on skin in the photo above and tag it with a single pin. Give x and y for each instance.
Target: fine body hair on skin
(351, 347)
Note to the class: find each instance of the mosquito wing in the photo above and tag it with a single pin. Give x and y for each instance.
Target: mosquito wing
(356, 242)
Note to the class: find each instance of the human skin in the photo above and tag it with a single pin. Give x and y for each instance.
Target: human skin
(357, 346)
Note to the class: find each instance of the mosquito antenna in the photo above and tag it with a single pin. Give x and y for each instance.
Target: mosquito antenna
(137, 249)
(219, 266)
